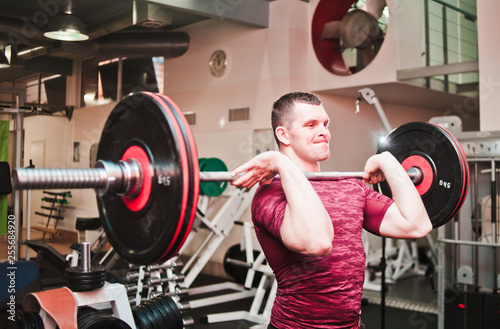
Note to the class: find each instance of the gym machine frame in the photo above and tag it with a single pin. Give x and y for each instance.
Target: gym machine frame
(448, 247)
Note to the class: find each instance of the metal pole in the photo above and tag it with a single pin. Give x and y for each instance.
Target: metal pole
(85, 254)
(28, 222)
(119, 83)
(427, 41)
(445, 48)
(18, 164)
(368, 95)
(494, 223)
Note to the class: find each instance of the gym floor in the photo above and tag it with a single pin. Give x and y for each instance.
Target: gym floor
(410, 303)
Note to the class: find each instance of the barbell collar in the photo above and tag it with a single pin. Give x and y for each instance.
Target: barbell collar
(416, 175)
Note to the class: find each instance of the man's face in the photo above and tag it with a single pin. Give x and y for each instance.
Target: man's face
(309, 134)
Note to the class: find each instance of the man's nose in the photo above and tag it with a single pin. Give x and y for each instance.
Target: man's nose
(324, 131)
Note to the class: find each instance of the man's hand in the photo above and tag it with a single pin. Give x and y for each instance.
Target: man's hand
(261, 169)
(373, 173)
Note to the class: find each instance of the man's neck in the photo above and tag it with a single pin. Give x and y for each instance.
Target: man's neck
(301, 163)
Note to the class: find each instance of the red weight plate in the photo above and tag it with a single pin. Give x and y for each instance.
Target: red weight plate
(428, 172)
(182, 225)
(193, 170)
(194, 166)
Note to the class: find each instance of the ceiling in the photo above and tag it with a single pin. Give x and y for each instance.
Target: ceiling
(23, 22)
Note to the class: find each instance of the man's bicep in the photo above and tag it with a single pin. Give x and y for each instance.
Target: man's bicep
(394, 225)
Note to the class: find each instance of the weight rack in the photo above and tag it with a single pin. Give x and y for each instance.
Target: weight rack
(468, 271)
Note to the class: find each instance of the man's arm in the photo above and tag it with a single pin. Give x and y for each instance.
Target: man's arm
(307, 227)
(406, 218)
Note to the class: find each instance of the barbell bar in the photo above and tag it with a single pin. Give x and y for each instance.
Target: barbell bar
(147, 176)
(125, 178)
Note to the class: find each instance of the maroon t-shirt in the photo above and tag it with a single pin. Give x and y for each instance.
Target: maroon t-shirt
(319, 292)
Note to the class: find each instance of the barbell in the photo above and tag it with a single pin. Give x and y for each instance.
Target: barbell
(147, 178)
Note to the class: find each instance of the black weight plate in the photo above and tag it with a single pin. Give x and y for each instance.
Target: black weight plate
(29, 320)
(172, 316)
(156, 320)
(84, 276)
(146, 316)
(159, 317)
(38, 322)
(85, 287)
(420, 137)
(173, 311)
(465, 170)
(77, 272)
(177, 313)
(100, 320)
(143, 236)
(193, 170)
(237, 272)
(140, 319)
(86, 281)
(169, 315)
(172, 319)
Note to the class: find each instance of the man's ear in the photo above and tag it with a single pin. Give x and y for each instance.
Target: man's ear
(282, 135)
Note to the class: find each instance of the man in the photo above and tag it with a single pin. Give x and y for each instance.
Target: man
(311, 232)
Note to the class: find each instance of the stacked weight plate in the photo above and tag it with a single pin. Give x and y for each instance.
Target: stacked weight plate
(158, 313)
(79, 280)
(153, 127)
(442, 162)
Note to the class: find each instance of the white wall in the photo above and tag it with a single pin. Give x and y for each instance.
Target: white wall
(489, 70)
(48, 138)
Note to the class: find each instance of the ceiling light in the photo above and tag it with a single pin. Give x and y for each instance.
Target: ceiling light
(4, 62)
(66, 26)
(6, 57)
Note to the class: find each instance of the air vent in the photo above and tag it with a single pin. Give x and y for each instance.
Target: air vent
(241, 114)
(190, 117)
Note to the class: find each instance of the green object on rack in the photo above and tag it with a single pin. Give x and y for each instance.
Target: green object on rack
(212, 188)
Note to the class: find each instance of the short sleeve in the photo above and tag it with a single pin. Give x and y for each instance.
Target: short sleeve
(376, 206)
(268, 208)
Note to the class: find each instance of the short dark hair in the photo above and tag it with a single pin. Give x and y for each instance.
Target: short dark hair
(282, 114)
